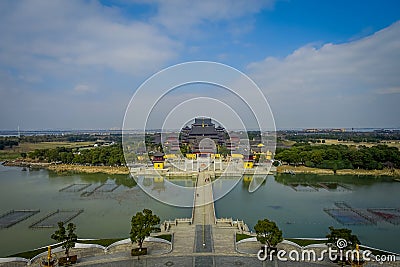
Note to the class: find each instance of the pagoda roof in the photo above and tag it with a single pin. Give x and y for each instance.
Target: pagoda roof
(203, 121)
(203, 130)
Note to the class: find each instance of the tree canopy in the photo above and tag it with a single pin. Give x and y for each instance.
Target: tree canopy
(341, 156)
(7, 142)
(106, 155)
(342, 233)
(66, 236)
(143, 223)
(268, 232)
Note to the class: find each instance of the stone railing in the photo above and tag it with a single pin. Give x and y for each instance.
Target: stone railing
(92, 249)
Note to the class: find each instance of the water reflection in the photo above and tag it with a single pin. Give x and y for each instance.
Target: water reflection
(297, 203)
(119, 179)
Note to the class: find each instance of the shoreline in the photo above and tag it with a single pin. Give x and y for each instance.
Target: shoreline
(71, 168)
(308, 170)
(68, 168)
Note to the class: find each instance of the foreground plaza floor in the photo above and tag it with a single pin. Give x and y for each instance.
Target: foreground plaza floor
(198, 261)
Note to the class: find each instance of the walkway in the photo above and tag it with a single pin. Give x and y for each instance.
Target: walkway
(203, 218)
(189, 261)
(204, 202)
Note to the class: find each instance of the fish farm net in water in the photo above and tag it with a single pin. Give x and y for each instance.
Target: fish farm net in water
(75, 187)
(15, 216)
(332, 186)
(106, 188)
(303, 188)
(390, 215)
(52, 219)
(348, 217)
(103, 188)
(314, 187)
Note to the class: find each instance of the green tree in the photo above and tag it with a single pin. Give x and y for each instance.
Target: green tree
(268, 232)
(342, 233)
(223, 150)
(66, 236)
(143, 223)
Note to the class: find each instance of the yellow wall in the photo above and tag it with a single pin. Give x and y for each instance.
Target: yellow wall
(158, 165)
(158, 179)
(248, 165)
(247, 178)
(191, 156)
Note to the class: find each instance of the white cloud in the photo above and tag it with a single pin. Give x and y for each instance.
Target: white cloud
(51, 34)
(334, 84)
(83, 88)
(390, 90)
(180, 15)
(53, 53)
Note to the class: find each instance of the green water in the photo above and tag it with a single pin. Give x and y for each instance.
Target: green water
(107, 215)
(301, 214)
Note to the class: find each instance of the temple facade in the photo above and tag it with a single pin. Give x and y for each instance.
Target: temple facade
(202, 136)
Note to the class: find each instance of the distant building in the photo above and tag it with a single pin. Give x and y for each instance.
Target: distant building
(339, 130)
(171, 144)
(233, 143)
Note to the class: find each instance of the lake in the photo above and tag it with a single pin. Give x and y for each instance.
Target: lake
(296, 203)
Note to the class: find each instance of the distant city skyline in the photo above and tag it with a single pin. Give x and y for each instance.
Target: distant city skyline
(320, 64)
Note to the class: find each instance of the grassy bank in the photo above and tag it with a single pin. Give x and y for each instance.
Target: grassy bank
(69, 168)
(308, 170)
(32, 253)
(306, 242)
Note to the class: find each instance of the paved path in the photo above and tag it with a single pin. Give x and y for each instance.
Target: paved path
(204, 202)
(193, 261)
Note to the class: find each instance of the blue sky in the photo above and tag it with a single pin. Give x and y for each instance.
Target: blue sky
(76, 64)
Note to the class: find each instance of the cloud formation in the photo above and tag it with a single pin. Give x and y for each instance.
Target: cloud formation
(342, 85)
(54, 53)
(82, 60)
(56, 34)
(180, 15)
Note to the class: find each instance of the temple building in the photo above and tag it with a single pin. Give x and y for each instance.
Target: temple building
(203, 136)
(248, 161)
(158, 160)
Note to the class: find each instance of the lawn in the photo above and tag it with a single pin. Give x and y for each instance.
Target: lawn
(305, 242)
(242, 236)
(101, 242)
(167, 237)
(394, 143)
(32, 253)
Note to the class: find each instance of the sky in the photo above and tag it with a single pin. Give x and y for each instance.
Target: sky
(76, 64)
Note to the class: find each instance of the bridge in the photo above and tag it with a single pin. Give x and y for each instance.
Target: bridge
(203, 204)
